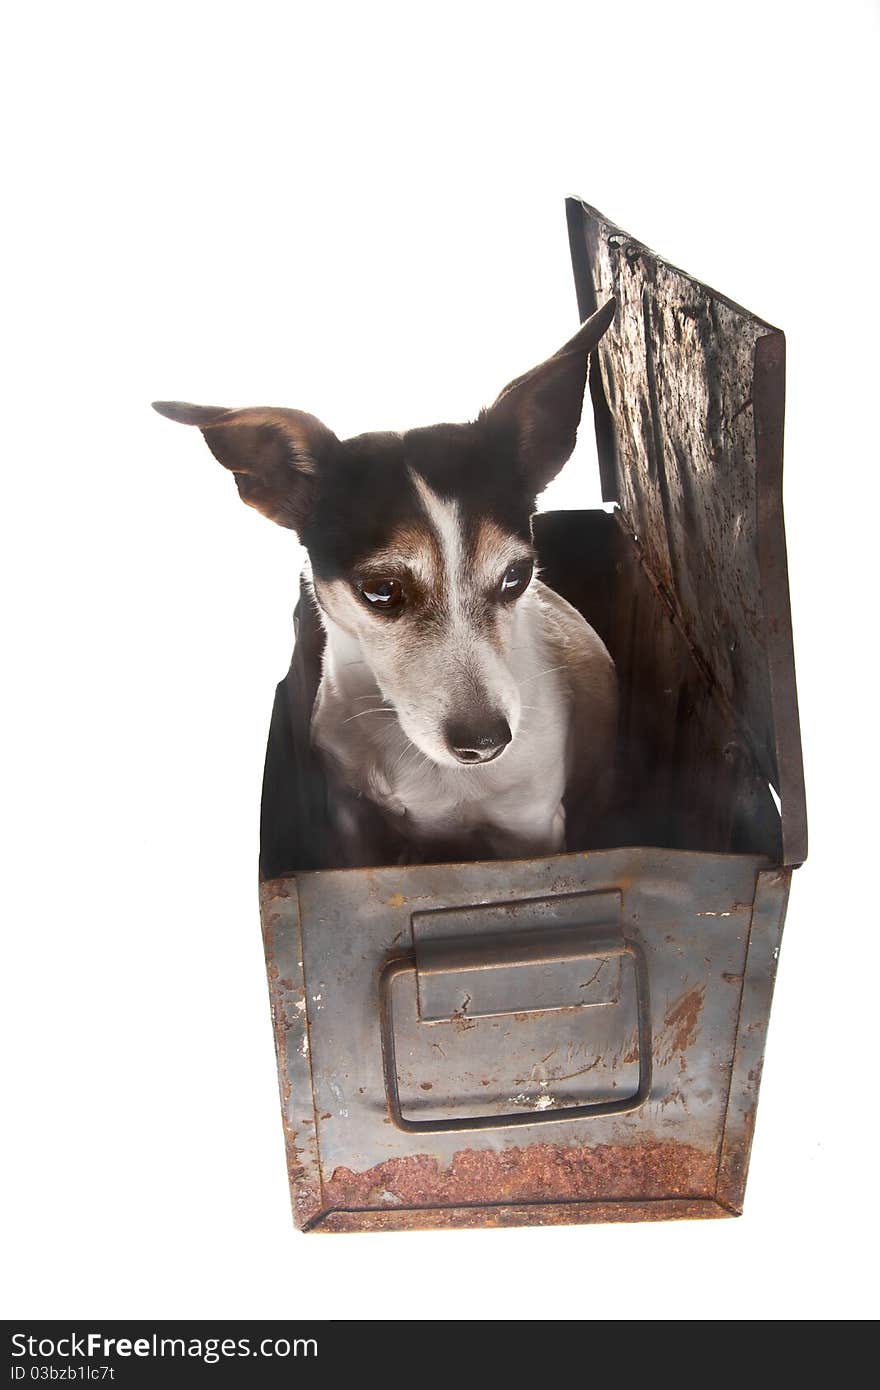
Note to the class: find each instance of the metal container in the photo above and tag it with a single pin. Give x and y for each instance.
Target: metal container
(580, 1037)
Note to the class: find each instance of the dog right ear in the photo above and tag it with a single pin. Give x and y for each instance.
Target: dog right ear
(542, 408)
(274, 454)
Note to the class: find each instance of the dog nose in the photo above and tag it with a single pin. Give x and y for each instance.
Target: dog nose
(473, 741)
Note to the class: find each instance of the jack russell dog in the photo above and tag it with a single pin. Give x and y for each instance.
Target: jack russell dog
(460, 698)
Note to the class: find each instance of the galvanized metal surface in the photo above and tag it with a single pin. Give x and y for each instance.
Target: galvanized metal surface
(765, 938)
(282, 943)
(692, 916)
(517, 957)
(601, 953)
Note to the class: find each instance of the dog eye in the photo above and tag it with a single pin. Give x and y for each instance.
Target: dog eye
(384, 595)
(515, 579)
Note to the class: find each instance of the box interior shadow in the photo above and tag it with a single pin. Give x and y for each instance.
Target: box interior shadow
(687, 777)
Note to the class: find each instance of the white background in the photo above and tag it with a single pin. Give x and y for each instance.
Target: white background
(358, 210)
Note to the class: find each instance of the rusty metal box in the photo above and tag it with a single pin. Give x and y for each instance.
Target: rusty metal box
(580, 1037)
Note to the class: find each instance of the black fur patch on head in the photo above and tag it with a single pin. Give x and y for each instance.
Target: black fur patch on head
(365, 491)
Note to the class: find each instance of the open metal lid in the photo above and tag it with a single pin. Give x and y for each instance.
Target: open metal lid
(688, 391)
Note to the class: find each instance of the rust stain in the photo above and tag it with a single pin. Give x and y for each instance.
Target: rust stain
(305, 1187)
(295, 1169)
(561, 1214)
(682, 1019)
(274, 888)
(396, 900)
(538, 1173)
(305, 1193)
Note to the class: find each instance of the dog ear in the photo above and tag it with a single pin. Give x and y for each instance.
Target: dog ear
(274, 454)
(543, 407)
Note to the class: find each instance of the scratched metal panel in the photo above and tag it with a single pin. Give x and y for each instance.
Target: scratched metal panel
(768, 917)
(689, 400)
(282, 942)
(691, 914)
(529, 926)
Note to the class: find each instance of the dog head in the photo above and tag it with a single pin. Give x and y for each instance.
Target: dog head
(420, 543)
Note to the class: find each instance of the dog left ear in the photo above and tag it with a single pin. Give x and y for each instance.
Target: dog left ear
(274, 454)
(543, 407)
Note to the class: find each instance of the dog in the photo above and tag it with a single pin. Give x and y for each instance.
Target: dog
(460, 698)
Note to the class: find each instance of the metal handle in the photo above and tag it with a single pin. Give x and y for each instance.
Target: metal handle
(406, 964)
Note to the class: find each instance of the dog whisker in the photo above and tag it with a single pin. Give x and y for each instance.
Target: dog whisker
(408, 748)
(548, 672)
